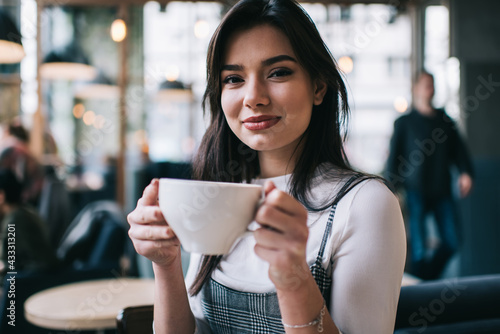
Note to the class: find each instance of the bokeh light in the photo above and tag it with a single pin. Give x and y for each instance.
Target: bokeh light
(400, 104)
(78, 110)
(346, 64)
(201, 29)
(99, 122)
(172, 73)
(89, 117)
(118, 30)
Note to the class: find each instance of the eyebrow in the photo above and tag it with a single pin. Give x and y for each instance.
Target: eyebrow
(277, 59)
(267, 62)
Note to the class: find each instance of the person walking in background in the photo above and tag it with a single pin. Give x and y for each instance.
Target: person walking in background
(21, 223)
(16, 156)
(424, 148)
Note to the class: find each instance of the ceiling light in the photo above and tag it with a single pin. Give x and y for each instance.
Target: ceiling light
(11, 47)
(67, 64)
(118, 30)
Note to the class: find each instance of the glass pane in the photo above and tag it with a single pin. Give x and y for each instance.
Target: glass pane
(372, 45)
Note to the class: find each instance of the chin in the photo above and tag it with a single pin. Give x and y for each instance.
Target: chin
(258, 146)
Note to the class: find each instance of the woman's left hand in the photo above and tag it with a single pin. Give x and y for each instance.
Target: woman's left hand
(282, 239)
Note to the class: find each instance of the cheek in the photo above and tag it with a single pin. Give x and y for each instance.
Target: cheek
(298, 95)
(231, 112)
(229, 105)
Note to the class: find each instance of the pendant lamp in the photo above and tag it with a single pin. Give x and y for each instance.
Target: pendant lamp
(11, 47)
(174, 91)
(101, 88)
(67, 64)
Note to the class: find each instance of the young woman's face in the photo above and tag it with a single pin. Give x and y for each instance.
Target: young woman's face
(267, 96)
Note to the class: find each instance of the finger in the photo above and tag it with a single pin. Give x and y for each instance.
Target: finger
(270, 239)
(270, 255)
(155, 233)
(146, 215)
(150, 194)
(270, 216)
(268, 187)
(149, 248)
(276, 258)
(286, 203)
(287, 277)
(285, 271)
(281, 228)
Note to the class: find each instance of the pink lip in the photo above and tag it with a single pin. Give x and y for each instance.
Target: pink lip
(260, 122)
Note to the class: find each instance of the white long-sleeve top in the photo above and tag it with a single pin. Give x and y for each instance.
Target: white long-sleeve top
(367, 246)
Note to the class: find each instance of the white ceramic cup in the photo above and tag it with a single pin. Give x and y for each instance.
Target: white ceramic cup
(208, 217)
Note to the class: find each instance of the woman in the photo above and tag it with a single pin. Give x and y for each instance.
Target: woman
(277, 104)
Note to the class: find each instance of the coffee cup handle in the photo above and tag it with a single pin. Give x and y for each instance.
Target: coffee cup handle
(248, 232)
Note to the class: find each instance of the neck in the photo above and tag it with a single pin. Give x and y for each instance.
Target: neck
(274, 164)
(424, 107)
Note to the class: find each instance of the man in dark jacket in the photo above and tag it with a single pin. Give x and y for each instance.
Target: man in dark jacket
(425, 146)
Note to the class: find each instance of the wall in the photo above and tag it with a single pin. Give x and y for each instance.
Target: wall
(474, 41)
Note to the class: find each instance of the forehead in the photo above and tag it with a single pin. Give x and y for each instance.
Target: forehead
(259, 42)
(425, 79)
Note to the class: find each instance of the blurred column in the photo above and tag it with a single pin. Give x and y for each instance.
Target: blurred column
(37, 130)
(475, 28)
(122, 84)
(417, 15)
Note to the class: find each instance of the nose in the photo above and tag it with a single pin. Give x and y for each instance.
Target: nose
(256, 93)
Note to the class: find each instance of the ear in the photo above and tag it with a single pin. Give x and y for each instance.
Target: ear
(320, 88)
(2, 197)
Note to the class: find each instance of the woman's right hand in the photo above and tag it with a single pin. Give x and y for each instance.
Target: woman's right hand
(152, 236)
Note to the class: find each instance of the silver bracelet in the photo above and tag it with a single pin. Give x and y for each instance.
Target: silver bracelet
(318, 321)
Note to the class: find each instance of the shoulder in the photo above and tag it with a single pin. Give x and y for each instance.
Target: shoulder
(445, 119)
(404, 120)
(375, 188)
(372, 191)
(330, 180)
(371, 203)
(26, 215)
(28, 211)
(442, 115)
(369, 220)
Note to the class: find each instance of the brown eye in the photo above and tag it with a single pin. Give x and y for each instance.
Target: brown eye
(282, 72)
(232, 79)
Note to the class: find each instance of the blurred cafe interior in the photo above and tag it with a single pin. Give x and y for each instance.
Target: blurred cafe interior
(107, 95)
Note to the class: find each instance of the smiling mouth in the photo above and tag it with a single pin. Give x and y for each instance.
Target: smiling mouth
(260, 122)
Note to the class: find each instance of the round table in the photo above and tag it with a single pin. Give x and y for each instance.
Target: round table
(88, 305)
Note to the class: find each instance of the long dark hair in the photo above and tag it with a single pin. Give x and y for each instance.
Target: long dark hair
(223, 157)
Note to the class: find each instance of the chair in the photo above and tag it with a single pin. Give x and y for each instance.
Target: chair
(463, 305)
(135, 319)
(97, 238)
(54, 206)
